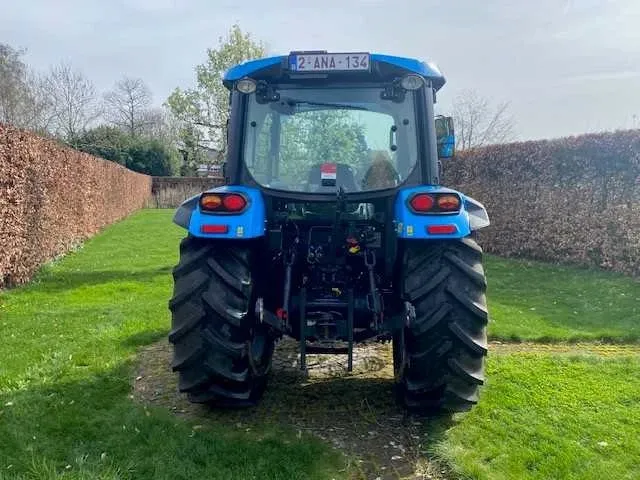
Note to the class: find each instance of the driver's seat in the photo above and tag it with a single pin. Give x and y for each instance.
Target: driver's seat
(344, 178)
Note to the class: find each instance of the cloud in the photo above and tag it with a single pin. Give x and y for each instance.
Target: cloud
(601, 76)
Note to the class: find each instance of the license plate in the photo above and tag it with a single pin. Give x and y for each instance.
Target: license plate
(329, 62)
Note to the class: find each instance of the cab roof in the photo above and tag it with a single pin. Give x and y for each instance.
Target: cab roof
(277, 66)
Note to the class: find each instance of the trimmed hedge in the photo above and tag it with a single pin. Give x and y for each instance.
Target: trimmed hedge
(571, 200)
(53, 197)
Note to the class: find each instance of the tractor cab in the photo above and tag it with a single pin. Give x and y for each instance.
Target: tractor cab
(312, 124)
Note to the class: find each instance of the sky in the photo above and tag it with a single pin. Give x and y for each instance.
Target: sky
(565, 66)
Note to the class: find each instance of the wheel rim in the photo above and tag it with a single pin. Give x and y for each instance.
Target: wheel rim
(257, 347)
(399, 354)
(260, 345)
(260, 350)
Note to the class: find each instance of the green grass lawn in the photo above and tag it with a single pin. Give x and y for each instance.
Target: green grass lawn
(537, 301)
(70, 339)
(68, 342)
(555, 416)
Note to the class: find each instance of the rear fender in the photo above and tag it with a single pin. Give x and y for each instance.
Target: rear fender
(472, 216)
(248, 224)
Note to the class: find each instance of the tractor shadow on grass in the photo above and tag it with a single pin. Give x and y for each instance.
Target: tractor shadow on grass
(62, 281)
(87, 428)
(354, 412)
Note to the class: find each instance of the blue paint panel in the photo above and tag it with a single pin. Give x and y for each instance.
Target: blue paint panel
(427, 70)
(249, 224)
(411, 65)
(247, 69)
(411, 225)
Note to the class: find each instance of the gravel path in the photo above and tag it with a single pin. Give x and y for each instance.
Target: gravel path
(356, 412)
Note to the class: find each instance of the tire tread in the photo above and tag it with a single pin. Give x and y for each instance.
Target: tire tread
(447, 343)
(211, 327)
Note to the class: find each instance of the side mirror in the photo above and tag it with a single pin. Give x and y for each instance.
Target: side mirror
(445, 136)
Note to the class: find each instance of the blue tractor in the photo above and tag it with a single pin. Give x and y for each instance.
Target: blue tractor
(332, 228)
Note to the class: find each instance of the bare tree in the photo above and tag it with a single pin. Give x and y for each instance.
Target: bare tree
(24, 102)
(478, 123)
(21, 101)
(73, 101)
(38, 107)
(13, 88)
(161, 124)
(128, 105)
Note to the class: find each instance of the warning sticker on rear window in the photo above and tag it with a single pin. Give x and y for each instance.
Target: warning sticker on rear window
(328, 171)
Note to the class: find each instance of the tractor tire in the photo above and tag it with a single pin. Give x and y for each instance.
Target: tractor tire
(221, 352)
(439, 357)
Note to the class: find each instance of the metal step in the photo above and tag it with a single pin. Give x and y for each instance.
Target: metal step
(326, 304)
(321, 350)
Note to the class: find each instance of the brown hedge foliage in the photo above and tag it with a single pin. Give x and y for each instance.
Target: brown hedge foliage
(53, 197)
(574, 200)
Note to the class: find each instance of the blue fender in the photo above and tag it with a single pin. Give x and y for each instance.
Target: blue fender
(249, 224)
(472, 216)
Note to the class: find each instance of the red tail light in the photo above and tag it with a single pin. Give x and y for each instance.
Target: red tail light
(234, 202)
(422, 202)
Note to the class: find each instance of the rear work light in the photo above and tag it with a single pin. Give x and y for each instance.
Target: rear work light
(433, 203)
(412, 82)
(246, 85)
(223, 202)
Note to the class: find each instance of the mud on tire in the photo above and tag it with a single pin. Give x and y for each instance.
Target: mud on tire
(222, 355)
(439, 359)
